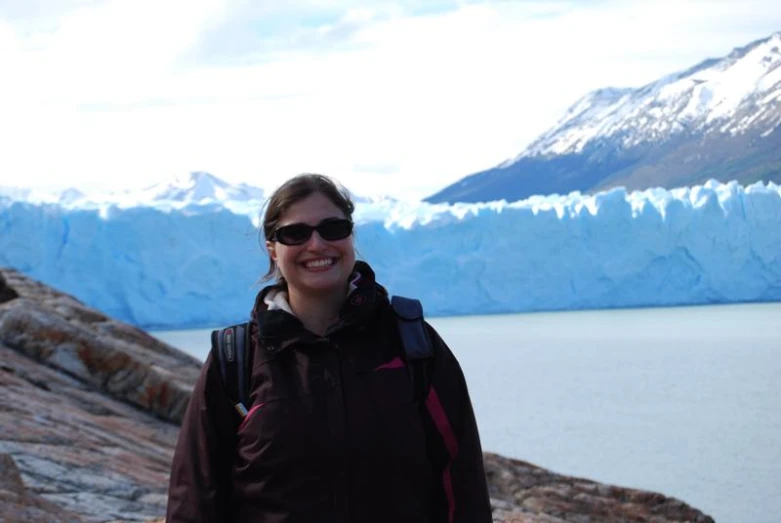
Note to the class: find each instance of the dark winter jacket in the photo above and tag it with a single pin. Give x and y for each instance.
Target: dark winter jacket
(334, 433)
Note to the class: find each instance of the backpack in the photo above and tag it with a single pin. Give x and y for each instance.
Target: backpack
(229, 350)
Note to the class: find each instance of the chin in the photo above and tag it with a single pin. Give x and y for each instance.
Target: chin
(321, 284)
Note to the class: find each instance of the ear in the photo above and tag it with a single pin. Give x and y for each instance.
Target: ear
(271, 247)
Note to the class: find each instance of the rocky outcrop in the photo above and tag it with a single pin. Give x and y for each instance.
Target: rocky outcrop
(111, 357)
(525, 493)
(88, 420)
(88, 412)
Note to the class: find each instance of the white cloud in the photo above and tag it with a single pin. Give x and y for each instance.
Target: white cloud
(128, 89)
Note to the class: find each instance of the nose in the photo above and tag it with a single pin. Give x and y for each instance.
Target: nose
(315, 241)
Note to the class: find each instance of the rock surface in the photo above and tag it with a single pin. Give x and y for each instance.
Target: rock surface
(525, 493)
(88, 420)
(89, 410)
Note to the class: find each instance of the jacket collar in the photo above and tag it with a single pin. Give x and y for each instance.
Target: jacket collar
(278, 328)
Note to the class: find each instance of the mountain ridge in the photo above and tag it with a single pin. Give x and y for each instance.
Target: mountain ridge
(196, 188)
(720, 119)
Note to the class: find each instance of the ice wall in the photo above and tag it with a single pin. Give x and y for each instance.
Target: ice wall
(199, 266)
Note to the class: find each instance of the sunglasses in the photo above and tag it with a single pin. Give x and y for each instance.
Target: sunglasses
(331, 229)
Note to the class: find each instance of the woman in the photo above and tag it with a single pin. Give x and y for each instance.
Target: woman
(334, 431)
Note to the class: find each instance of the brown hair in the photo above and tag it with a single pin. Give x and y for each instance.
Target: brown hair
(293, 191)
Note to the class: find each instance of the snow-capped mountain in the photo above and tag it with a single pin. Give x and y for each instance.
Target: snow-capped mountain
(372, 198)
(720, 119)
(70, 196)
(200, 187)
(14, 193)
(195, 188)
(66, 198)
(191, 189)
(731, 95)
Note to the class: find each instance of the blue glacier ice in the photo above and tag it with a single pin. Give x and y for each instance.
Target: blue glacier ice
(168, 267)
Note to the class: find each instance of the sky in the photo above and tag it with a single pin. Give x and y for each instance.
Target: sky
(391, 98)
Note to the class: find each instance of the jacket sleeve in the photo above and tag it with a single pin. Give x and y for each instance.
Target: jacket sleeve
(458, 457)
(199, 485)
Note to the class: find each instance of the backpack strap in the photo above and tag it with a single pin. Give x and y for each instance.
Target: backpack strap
(230, 351)
(418, 349)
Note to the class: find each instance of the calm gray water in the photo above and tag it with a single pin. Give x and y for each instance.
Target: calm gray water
(683, 401)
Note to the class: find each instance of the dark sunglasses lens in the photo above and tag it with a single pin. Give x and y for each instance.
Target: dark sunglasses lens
(335, 230)
(293, 234)
(298, 233)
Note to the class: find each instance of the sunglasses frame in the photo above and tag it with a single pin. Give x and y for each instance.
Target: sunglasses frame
(275, 237)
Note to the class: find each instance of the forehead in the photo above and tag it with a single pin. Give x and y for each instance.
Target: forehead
(311, 210)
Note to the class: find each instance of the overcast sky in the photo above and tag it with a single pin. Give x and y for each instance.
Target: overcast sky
(389, 97)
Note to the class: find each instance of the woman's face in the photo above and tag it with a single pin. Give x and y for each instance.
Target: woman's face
(317, 266)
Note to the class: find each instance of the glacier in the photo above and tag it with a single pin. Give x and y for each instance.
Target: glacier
(163, 266)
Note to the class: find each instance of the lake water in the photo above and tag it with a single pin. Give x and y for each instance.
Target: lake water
(682, 401)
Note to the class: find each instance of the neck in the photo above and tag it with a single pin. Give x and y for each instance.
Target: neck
(317, 313)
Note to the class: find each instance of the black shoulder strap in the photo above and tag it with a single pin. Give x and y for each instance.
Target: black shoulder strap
(230, 352)
(414, 337)
(418, 349)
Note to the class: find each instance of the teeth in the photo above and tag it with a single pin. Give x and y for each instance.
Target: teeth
(320, 263)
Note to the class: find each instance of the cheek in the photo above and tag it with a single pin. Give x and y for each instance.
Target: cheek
(283, 256)
(287, 256)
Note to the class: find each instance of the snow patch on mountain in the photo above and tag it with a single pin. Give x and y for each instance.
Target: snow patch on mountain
(733, 95)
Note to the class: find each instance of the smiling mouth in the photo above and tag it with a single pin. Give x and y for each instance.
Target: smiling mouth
(321, 263)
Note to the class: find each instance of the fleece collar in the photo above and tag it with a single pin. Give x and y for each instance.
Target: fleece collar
(277, 299)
